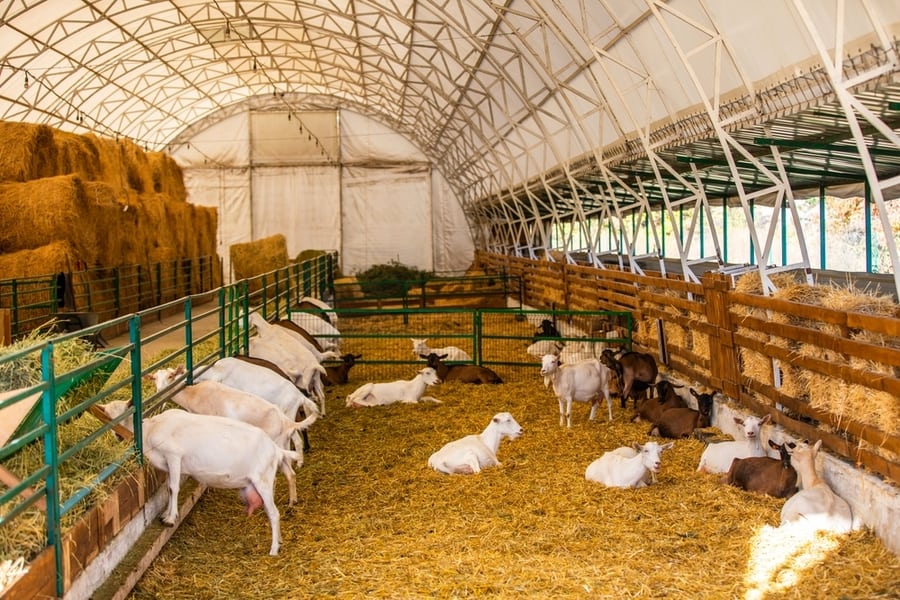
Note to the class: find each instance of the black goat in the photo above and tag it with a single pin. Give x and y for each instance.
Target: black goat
(338, 374)
(545, 330)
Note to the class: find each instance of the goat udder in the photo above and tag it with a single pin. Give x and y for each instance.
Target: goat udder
(251, 499)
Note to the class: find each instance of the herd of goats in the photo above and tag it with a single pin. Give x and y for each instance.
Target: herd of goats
(263, 402)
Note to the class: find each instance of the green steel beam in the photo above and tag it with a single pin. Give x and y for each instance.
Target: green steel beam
(709, 162)
(807, 145)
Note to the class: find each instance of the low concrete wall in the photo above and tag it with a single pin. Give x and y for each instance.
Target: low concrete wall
(875, 502)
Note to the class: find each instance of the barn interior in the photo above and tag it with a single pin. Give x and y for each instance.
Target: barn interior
(615, 155)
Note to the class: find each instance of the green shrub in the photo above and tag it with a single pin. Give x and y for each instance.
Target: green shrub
(390, 280)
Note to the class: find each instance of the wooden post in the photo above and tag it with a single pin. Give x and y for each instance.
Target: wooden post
(723, 357)
(5, 327)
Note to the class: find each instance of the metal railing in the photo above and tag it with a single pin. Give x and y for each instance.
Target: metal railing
(106, 292)
(45, 468)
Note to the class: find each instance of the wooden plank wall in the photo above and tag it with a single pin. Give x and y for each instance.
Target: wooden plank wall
(770, 355)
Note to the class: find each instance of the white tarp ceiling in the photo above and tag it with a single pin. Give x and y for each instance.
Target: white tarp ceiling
(506, 100)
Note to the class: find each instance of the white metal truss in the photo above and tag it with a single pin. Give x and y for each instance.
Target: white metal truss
(557, 123)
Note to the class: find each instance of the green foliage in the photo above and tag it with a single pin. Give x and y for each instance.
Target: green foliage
(390, 280)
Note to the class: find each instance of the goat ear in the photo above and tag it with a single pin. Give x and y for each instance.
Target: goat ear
(773, 445)
(667, 446)
(443, 356)
(816, 447)
(765, 419)
(636, 446)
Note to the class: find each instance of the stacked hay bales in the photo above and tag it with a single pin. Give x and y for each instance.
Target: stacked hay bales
(754, 365)
(794, 381)
(878, 409)
(80, 201)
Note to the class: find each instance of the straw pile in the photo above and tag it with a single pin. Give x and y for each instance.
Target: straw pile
(260, 256)
(25, 535)
(794, 380)
(676, 335)
(110, 202)
(753, 364)
(374, 521)
(875, 408)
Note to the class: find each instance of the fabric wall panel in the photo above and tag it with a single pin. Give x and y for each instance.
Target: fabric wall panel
(301, 203)
(224, 143)
(276, 140)
(365, 140)
(386, 216)
(453, 245)
(229, 191)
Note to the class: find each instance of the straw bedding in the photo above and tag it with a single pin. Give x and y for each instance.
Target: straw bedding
(374, 521)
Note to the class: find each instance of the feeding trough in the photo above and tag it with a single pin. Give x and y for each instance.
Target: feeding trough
(21, 417)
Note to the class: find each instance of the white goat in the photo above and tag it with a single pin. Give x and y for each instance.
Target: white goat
(717, 457)
(326, 333)
(626, 467)
(292, 357)
(542, 347)
(410, 392)
(575, 351)
(583, 381)
(292, 329)
(217, 399)
(473, 453)
(218, 452)
(327, 310)
(815, 504)
(261, 381)
(454, 354)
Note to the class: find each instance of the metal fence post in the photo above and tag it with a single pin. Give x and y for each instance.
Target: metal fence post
(137, 395)
(189, 339)
(51, 460)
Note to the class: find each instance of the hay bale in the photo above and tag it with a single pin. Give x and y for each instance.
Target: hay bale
(261, 256)
(77, 155)
(793, 379)
(166, 176)
(29, 151)
(838, 397)
(53, 208)
(753, 364)
(55, 257)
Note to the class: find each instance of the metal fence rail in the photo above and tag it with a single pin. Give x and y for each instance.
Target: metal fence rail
(106, 293)
(57, 457)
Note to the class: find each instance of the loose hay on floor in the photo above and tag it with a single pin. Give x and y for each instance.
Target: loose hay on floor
(374, 521)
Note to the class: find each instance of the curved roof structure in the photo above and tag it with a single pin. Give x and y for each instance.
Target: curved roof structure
(537, 113)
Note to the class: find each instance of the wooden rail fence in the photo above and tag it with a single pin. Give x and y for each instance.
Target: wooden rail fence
(822, 373)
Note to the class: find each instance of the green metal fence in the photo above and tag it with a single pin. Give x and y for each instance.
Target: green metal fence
(107, 293)
(492, 337)
(60, 456)
(63, 457)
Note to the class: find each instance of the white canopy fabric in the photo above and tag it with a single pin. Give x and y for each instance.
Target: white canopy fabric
(537, 115)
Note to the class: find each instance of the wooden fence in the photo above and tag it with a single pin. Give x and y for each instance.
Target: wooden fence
(821, 372)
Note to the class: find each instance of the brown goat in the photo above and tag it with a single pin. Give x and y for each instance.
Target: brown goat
(650, 409)
(636, 372)
(465, 373)
(339, 374)
(764, 475)
(681, 422)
